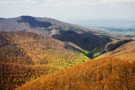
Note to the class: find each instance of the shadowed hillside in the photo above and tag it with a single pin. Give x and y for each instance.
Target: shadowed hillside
(115, 44)
(97, 52)
(85, 40)
(33, 22)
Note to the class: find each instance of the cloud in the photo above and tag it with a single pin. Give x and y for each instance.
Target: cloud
(116, 1)
(30, 1)
(66, 2)
(83, 2)
(11, 1)
(69, 2)
(16, 1)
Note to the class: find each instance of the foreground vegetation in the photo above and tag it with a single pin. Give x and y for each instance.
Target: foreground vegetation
(101, 74)
(14, 75)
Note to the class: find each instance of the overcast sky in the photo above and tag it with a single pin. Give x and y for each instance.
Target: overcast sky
(67, 10)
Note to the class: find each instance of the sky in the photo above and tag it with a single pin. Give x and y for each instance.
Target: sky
(69, 10)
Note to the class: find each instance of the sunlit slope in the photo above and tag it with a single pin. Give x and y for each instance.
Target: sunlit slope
(101, 74)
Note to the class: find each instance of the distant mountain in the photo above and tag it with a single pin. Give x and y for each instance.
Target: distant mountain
(2, 19)
(87, 39)
(35, 24)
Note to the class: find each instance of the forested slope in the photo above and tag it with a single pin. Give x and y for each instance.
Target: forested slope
(101, 74)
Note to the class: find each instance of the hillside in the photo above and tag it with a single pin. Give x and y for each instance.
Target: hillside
(125, 51)
(101, 74)
(115, 44)
(33, 55)
(15, 75)
(97, 52)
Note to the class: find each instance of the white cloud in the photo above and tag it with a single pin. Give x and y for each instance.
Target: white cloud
(116, 1)
(66, 2)
(11, 1)
(30, 1)
(16, 1)
(69, 2)
(82, 2)
(4, 2)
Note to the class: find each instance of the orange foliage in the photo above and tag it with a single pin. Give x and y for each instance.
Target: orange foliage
(101, 74)
(13, 75)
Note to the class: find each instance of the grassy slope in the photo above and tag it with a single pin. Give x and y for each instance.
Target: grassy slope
(42, 54)
(108, 73)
